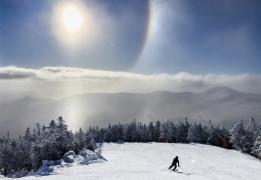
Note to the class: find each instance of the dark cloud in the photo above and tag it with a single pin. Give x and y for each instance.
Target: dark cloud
(16, 73)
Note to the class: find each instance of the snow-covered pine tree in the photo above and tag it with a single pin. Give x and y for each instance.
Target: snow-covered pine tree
(26, 146)
(108, 136)
(252, 132)
(79, 140)
(130, 132)
(144, 133)
(172, 132)
(238, 133)
(90, 137)
(256, 149)
(63, 136)
(38, 128)
(114, 133)
(253, 129)
(56, 140)
(120, 132)
(28, 134)
(151, 131)
(218, 137)
(5, 156)
(196, 133)
(182, 132)
(134, 133)
(157, 131)
(164, 133)
(168, 131)
(213, 137)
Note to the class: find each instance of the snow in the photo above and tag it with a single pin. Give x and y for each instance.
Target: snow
(149, 161)
(88, 155)
(69, 157)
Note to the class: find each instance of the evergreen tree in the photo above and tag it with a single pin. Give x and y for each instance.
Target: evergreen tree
(238, 133)
(216, 137)
(157, 131)
(256, 149)
(253, 130)
(79, 140)
(182, 132)
(194, 134)
(164, 134)
(251, 134)
(151, 132)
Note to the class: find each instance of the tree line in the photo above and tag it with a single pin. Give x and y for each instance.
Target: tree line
(247, 139)
(26, 152)
(51, 142)
(162, 131)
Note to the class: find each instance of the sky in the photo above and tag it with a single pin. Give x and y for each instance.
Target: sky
(157, 36)
(29, 39)
(111, 46)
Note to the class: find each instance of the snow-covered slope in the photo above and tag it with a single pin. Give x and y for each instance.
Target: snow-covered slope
(150, 162)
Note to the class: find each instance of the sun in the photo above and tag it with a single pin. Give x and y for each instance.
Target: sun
(71, 22)
(74, 24)
(72, 18)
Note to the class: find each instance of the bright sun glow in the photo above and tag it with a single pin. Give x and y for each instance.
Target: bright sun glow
(75, 24)
(71, 22)
(72, 18)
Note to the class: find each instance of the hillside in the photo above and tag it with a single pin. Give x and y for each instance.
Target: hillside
(150, 161)
(222, 105)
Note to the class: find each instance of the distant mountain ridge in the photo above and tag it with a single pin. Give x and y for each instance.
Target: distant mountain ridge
(221, 105)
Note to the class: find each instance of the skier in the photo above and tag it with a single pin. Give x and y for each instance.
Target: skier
(174, 163)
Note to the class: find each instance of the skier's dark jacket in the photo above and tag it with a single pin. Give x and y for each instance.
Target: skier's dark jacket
(175, 161)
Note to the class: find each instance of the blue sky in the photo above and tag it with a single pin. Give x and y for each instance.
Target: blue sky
(217, 36)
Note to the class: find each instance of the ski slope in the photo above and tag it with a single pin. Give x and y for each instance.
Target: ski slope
(140, 161)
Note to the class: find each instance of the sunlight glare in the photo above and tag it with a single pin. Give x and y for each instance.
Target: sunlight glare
(73, 23)
(72, 18)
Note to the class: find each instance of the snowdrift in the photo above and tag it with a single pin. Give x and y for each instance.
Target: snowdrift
(70, 158)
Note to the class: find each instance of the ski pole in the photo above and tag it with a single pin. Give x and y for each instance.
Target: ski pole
(181, 169)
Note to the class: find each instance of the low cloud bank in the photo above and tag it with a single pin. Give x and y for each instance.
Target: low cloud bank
(59, 82)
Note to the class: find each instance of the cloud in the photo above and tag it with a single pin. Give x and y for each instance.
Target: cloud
(16, 73)
(59, 82)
